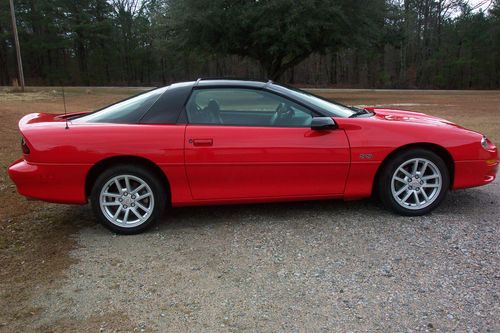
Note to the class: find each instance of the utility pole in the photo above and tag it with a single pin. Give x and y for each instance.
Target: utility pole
(18, 49)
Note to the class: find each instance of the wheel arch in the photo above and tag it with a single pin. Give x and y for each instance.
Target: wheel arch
(106, 163)
(435, 148)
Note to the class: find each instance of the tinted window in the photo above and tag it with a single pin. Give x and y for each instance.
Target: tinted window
(332, 108)
(247, 107)
(128, 111)
(168, 107)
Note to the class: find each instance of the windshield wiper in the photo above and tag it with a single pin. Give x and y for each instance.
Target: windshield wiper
(357, 112)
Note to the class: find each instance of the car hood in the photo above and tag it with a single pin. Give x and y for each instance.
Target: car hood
(411, 117)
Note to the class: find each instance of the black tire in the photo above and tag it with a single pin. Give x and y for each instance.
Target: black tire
(384, 181)
(155, 185)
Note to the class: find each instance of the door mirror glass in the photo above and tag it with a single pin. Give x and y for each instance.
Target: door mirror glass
(323, 124)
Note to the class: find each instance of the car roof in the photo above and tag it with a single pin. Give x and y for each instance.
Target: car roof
(223, 82)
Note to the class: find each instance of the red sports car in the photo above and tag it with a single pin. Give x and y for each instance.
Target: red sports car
(231, 141)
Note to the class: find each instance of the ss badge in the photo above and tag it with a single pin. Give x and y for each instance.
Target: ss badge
(366, 156)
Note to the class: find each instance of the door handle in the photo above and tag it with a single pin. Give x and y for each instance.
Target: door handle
(201, 142)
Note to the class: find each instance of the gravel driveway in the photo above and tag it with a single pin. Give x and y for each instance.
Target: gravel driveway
(296, 267)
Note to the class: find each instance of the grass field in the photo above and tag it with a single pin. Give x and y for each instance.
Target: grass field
(35, 238)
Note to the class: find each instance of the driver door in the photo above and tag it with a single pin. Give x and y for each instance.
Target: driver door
(250, 148)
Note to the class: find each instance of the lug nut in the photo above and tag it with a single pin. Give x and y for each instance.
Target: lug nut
(421, 182)
(410, 187)
(124, 206)
(418, 189)
(133, 197)
(120, 199)
(125, 193)
(132, 205)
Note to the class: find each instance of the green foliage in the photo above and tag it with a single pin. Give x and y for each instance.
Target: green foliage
(363, 43)
(279, 34)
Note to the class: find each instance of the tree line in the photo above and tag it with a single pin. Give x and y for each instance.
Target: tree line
(443, 44)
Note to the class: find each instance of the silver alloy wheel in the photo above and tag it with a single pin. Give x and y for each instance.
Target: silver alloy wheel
(416, 183)
(126, 201)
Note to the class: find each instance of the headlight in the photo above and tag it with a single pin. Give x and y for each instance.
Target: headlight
(487, 144)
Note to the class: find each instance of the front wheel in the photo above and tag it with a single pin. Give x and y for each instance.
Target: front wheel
(127, 199)
(414, 182)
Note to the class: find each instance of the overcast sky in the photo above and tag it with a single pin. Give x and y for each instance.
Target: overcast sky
(483, 4)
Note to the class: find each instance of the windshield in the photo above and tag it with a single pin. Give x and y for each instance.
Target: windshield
(125, 112)
(333, 108)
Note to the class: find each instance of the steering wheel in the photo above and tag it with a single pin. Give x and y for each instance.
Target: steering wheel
(282, 114)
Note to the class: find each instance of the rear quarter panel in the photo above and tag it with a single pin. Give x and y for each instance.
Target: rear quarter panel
(77, 149)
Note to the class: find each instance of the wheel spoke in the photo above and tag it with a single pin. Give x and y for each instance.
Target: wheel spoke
(424, 168)
(406, 173)
(118, 186)
(430, 185)
(118, 211)
(111, 203)
(127, 184)
(145, 195)
(415, 167)
(125, 217)
(136, 213)
(401, 180)
(425, 195)
(430, 177)
(141, 206)
(408, 194)
(111, 195)
(417, 200)
(137, 189)
(404, 188)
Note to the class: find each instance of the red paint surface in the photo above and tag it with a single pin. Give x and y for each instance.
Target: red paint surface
(236, 164)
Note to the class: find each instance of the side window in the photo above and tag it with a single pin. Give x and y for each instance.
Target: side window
(245, 107)
(128, 111)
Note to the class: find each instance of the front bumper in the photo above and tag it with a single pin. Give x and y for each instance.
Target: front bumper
(50, 182)
(475, 173)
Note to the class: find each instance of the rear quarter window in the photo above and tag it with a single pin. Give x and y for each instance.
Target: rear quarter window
(128, 111)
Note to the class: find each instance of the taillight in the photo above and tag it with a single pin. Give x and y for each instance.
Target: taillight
(24, 147)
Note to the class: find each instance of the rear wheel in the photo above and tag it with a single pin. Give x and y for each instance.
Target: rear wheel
(414, 182)
(127, 199)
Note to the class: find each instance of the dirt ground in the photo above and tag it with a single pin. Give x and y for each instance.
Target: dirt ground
(307, 267)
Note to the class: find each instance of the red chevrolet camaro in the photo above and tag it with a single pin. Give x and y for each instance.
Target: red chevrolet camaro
(231, 141)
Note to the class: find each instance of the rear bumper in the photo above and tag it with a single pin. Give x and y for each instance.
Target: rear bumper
(475, 173)
(50, 182)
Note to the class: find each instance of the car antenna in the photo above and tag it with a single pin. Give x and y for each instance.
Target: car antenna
(65, 112)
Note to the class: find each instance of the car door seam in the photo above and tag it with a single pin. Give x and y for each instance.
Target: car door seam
(185, 164)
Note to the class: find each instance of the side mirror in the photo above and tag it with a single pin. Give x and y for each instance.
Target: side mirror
(323, 124)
